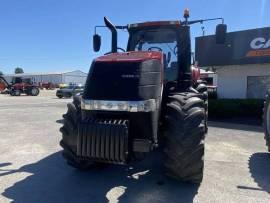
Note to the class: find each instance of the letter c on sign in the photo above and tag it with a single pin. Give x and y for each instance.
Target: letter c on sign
(257, 43)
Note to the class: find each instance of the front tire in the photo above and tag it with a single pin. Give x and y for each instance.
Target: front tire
(12, 93)
(69, 136)
(266, 120)
(184, 134)
(15, 93)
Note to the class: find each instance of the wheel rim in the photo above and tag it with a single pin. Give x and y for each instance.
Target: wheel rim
(268, 119)
(34, 91)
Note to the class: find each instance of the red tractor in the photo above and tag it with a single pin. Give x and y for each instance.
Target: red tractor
(137, 100)
(20, 86)
(3, 85)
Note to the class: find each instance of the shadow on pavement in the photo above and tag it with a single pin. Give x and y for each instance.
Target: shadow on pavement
(61, 121)
(51, 180)
(234, 126)
(63, 98)
(259, 167)
(5, 164)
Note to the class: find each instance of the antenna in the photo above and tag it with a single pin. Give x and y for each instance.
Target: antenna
(203, 30)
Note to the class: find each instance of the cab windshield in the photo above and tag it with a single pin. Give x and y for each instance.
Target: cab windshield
(162, 40)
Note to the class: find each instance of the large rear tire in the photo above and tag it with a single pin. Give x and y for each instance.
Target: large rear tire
(12, 93)
(185, 130)
(34, 91)
(202, 88)
(69, 136)
(266, 120)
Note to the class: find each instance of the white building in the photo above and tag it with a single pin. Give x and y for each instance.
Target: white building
(76, 76)
(242, 63)
(243, 81)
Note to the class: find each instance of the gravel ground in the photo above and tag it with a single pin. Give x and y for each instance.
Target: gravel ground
(237, 167)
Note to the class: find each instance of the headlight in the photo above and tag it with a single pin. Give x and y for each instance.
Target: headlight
(128, 106)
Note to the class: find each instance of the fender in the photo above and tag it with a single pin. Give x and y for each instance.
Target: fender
(195, 73)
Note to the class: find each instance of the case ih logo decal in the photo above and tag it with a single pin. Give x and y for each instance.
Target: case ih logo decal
(130, 76)
(260, 46)
(259, 43)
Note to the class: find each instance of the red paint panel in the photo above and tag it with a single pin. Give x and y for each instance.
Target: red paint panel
(195, 73)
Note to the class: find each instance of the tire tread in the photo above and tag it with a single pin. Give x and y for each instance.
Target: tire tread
(185, 133)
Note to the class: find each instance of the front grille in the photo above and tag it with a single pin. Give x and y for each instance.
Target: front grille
(103, 140)
(124, 81)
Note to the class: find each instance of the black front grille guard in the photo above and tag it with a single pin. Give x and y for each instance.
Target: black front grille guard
(103, 140)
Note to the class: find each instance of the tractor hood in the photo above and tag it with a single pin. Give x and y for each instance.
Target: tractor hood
(133, 56)
(125, 76)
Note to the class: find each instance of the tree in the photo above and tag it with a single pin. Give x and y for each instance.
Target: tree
(18, 70)
(1, 73)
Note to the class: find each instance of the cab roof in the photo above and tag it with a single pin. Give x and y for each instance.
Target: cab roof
(154, 24)
(132, 56)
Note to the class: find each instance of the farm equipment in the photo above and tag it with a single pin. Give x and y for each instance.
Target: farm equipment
(20, 86)
(47, 85)
(4, 85)
(137, 100)
(266, 120)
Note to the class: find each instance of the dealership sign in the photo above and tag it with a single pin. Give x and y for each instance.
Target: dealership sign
(243, 47)
(260, 47)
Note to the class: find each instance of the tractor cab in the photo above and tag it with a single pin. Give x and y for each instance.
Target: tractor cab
(20, 80)
(170, 38)
(161, 36)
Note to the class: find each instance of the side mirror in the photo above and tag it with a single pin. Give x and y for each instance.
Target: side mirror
(221, 32)
(96, 42)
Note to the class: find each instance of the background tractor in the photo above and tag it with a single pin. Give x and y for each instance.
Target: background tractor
(4, 85)
(141, 99)
(19, 86)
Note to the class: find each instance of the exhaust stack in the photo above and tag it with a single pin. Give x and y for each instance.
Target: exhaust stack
(114, 34)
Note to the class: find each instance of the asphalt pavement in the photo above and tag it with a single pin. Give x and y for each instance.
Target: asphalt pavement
(237, 166)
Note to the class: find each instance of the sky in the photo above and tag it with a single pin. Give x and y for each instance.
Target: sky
(55, 36)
